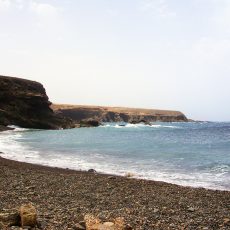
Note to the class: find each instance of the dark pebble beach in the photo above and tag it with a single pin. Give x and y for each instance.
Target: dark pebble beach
(63, 197)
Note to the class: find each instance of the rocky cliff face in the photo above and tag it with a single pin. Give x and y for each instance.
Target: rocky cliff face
(24, 103)
(118, 114)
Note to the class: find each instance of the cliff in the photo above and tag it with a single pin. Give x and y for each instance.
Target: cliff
(80, 113)
(24, 103)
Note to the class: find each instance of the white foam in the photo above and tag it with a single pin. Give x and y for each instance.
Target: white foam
(139, 125)
(165, 126)
(17, 128)
(13, 149)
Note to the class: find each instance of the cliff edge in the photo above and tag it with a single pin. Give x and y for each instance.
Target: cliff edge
(80, 113)
(24, 103)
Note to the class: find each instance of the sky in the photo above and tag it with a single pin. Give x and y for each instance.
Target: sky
(163, 54)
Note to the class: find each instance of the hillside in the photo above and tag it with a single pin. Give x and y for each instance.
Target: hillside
(117, 114)
(24, 103)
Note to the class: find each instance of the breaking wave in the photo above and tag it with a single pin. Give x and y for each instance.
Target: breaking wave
(179, 153)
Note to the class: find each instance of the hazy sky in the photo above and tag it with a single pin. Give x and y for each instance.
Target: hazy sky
(166, 54)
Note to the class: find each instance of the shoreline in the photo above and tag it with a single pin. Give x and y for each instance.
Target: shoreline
(184, 178)
(127, 174)
(63, 196)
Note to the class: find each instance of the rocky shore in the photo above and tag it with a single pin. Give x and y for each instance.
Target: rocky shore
(24, 103)
(83, 113)
(64, 198)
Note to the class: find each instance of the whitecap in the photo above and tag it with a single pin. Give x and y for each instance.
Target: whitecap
(165, 126)
(17, 128)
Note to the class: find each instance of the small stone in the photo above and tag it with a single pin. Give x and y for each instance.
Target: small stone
(226, 221)
(155, 210)
(41, 224)
(2, 226)
(111, 177)
(82, 223)
(128, 227)
(190, 209)
(79, 227)
(92, 171)
(129, 174)
(28, 215)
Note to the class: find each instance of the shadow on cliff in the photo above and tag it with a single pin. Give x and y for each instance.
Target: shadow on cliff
(24, 103)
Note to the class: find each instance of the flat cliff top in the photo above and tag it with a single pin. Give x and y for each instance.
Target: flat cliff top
(20, 87)
(129, 111)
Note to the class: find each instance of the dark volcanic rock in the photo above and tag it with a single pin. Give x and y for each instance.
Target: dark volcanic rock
(9, 218)
(89, 123)
(5, 128)
(92, 171)
(24, 103)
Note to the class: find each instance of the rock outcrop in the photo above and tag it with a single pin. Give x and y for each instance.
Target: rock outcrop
(26, 217)
(10, 217)
(24, 103)
(117, 114)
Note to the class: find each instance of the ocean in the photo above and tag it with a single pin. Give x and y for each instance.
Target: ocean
(191, 154)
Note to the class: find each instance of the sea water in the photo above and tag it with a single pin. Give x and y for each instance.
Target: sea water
(192, 154)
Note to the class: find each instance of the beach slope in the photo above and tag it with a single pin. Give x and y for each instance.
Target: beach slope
(63, 197)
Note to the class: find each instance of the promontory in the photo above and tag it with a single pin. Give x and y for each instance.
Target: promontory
(24, 103)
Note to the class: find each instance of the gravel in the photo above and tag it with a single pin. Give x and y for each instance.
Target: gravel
(63, 197)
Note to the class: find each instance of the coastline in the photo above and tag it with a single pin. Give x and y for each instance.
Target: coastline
(62, 198)
(15, 147)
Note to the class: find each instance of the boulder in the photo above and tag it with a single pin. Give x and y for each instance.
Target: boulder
(89, 123)
(28, 215)
(9, 218)
(5, 128)
(92, 171)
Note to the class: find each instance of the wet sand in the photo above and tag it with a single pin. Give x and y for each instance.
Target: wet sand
(62, 197)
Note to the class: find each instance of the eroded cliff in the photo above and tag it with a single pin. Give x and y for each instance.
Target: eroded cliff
(24, 103)
(117, 114)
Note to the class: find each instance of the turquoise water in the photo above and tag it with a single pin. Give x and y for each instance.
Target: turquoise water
(193, 154)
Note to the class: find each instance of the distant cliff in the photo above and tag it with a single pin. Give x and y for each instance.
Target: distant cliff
(80, 113)
(24, 103)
